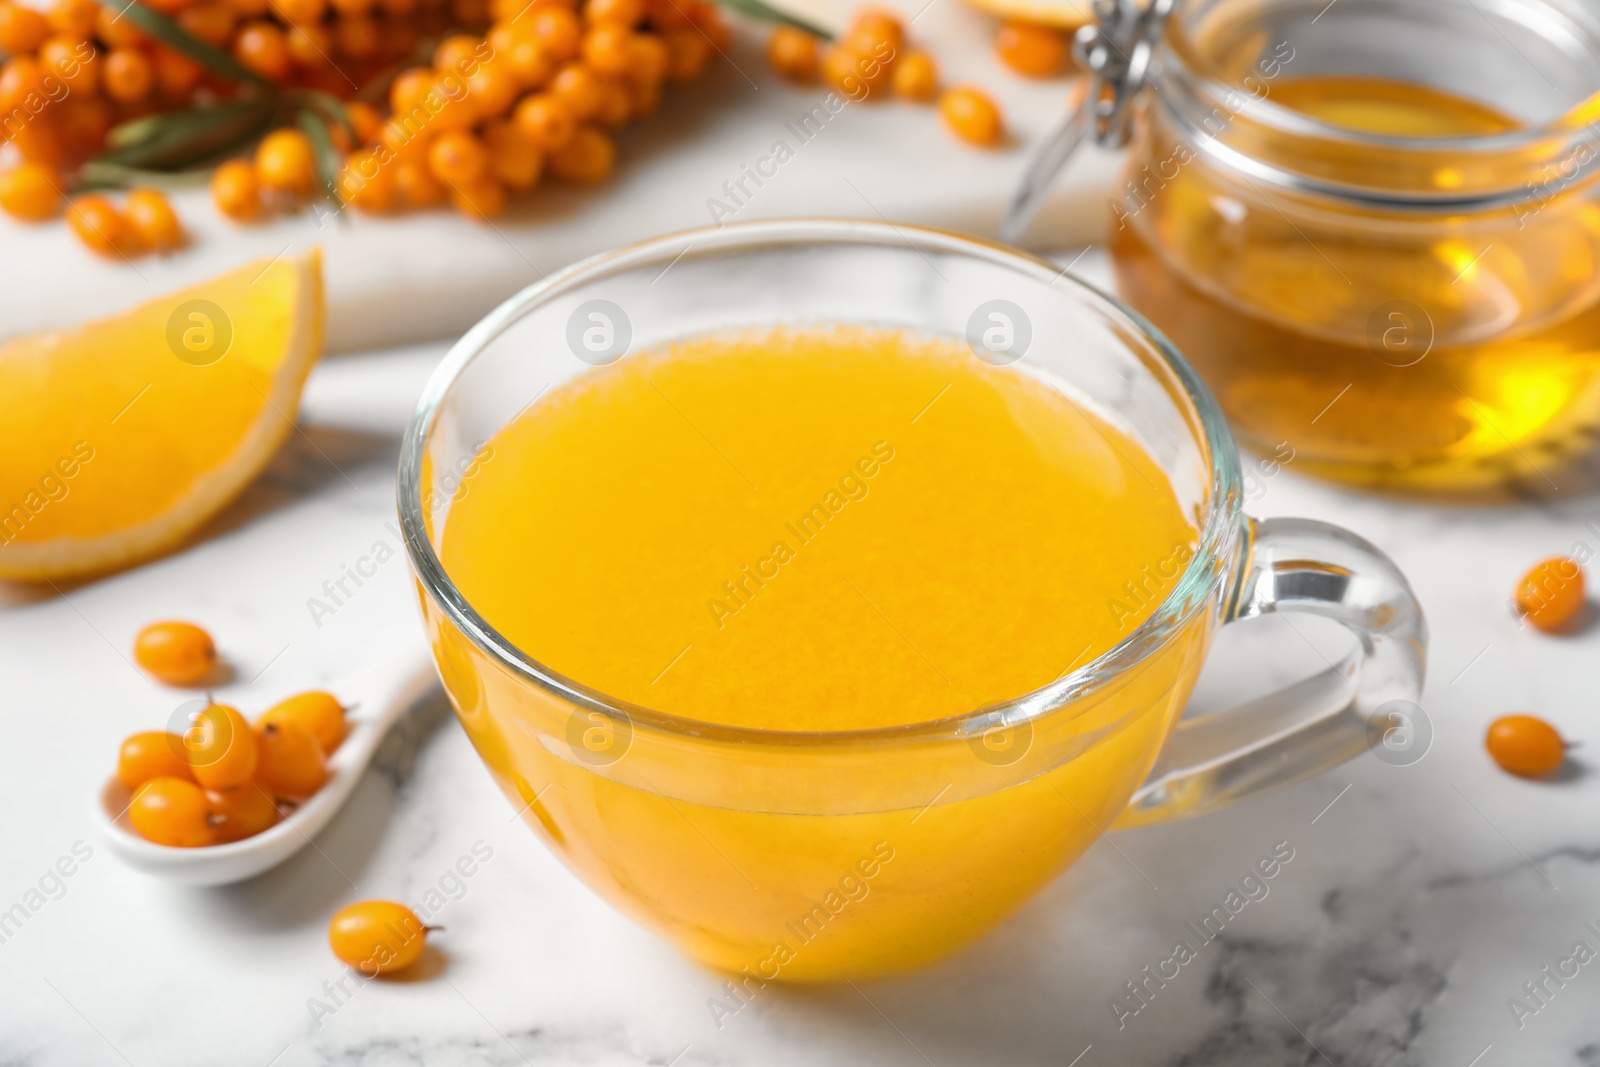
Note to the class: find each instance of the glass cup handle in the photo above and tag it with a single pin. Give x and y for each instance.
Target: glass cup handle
(1298, 566)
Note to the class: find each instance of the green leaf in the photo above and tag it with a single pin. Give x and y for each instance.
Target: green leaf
(98, 174)
(756, 9)
(177, 139)
(328, 106)
(329, 161)
(169, 33)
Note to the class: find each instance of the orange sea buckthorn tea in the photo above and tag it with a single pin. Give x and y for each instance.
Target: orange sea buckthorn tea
(819, 647)
(752, 531)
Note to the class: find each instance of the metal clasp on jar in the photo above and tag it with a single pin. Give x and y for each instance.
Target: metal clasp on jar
(1117, 51)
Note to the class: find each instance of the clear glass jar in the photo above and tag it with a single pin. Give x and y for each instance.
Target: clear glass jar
(1373, 227)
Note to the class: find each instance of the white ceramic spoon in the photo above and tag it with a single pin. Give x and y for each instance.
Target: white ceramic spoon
(378, 696)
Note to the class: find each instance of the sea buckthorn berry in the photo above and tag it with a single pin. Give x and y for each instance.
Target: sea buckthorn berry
(1032, 49)
(173, 812)
(449, 103)
(687, 55)
(315, 711)
(793, 54)
(176, 73)
(75, 18)
(310, 45)
(240, 812)
(72, 60)
(20, 77)
(214, 23)
(30, 191)
(558, 30)
(492, 89)
(154, 222)
(875, 25)
(366, 183)
(377, 936)
(289, 763)
(608, 48)
(22, 29)
(286, 163)
(100, 226)
(152, 754)
(580, 89)
(221, 748)
(482, 199)
(457, 53)
(527, 62)
(587, 158)
(83, 123)
(128, 75)
(236, 190)
(622, 12)
(354, 7)
(514, 161)
(546, 121)
(410, 88)
(852, 74)
(262, 47)
(1525, 745)
(300, 12)
(416, 185)
(916, 77)
(649, 60)
(458, 158)
(1552, 594)
(971, 116)
(114, 31)
(40, 141)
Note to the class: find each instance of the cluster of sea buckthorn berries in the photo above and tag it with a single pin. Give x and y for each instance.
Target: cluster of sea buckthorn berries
(1551, 596)
(873, 56)
(224, 778)
(540, 92)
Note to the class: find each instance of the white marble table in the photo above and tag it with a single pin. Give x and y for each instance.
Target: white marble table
(1418, 900)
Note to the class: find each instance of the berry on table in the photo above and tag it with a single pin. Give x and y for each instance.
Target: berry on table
(971, 115)
(30, 192)
(152, 219)
(377, 936)
(176, 652)
(286, 163)
(1551, 594)
(1525, 745)
(236, 190)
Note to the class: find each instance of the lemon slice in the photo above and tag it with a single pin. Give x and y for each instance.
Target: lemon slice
(1063, 14)
(124, 435)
